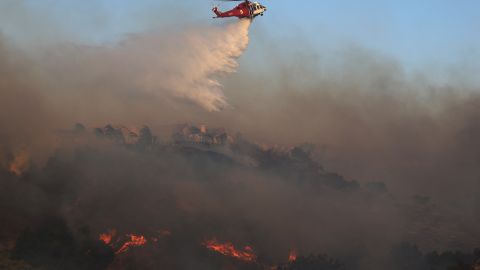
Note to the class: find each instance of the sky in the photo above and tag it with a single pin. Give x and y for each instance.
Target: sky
(419, 34)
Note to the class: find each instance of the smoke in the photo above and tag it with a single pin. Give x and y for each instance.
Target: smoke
(183, 65)
(46, 89)
(27, 122)
(369, 118)
(410, 144)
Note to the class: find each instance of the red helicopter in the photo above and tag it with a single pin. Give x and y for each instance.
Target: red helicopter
(246, 9)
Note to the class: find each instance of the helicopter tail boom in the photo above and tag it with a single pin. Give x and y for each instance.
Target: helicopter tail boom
(218, 13)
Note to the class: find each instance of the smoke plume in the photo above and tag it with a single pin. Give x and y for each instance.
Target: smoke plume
(183, 65)
(392, 158)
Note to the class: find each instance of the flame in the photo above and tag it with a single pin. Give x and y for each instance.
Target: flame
(108, 236)
(228, 249)
(292, 256)
(19, 163)
(132, 239)
(135, 241)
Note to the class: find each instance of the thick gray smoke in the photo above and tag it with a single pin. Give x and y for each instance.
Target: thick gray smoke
(81, 82)
(411, 145)
(27, 121)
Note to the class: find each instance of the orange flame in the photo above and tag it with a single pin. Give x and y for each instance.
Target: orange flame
(135, 241)
(293, 255)
(108, 236)
(228, 249)
(20, 162)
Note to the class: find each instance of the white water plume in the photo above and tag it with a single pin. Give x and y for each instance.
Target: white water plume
(184, 65)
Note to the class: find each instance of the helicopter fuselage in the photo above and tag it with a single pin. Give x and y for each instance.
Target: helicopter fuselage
(246, 9)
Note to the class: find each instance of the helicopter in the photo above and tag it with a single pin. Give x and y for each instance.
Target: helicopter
(246, 9)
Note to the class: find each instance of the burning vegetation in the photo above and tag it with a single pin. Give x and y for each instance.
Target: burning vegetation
(107, 237)
(118, 197)
(121, 199)
(228, 249)
(292, 256)
(134, 241)
(15, 162)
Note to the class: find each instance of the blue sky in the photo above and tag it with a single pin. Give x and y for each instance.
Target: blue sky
(417, 33)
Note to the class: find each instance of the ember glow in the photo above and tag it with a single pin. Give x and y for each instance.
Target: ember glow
(19, 163)
(107, 237)
(135, 241)
(228, 249)
(293, 255)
